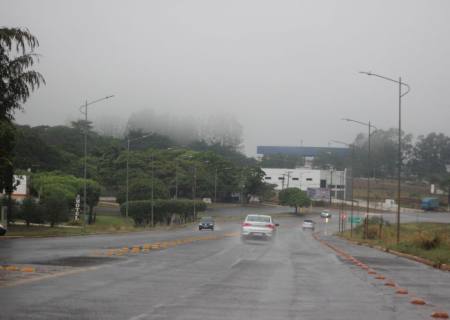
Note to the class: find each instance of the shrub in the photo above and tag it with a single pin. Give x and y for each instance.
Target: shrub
(56, 207)
(372, 232)
(140, 211)
(427, 240)
(31, 211)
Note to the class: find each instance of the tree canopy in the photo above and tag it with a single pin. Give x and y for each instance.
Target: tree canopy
(294, 197)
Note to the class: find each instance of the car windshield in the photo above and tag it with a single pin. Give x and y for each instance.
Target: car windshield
(308, 221)
(208, 219)
(259, 219)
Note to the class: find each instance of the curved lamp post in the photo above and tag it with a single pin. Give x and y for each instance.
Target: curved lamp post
(399, 169)
(369, 125)
(84, 110)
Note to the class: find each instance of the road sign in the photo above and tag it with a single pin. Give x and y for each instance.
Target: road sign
(356, 220)
(77, 208)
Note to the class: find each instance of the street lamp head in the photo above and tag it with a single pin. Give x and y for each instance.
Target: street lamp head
(369, 73)
(110, 96)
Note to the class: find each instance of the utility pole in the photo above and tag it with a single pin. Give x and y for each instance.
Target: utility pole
(399, 164)
(215, 185)
(152, 195)
(194, 191)
(369, 125)
(128, 160)
(331, 185)
(127, 188)
(176, 179)
(84, 110)
(85, 164)
(366, 225)
(288, 178)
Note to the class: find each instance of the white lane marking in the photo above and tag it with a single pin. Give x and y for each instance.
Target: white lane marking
(141, 316)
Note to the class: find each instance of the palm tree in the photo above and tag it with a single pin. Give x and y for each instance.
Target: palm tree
(16, 80)
(16, 83)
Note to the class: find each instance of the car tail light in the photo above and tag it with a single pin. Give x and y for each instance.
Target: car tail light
(270, 225)
(246, 224)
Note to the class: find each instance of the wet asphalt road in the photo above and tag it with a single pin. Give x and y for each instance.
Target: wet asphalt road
(293, 277)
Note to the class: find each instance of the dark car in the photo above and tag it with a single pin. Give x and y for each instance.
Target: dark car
(206, 223)
(2, 230)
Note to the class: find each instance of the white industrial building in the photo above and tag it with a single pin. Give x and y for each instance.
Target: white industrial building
(305, 178)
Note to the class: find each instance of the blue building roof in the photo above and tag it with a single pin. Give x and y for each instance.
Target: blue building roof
(300, 151)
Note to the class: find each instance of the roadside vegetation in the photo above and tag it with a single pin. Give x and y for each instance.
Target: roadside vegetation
(430, 241)
(104, 224)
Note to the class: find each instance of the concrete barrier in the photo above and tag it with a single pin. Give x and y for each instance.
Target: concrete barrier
(440, 315)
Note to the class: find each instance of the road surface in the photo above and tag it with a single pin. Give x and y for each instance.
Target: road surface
(210, 275)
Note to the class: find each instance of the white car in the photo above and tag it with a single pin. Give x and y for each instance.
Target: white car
(257, 226)
(325, 214)
(308, 224)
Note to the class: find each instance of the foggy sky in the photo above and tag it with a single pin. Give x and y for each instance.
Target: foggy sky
(288, 70)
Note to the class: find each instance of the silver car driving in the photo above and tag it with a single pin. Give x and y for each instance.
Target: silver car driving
(257, 226)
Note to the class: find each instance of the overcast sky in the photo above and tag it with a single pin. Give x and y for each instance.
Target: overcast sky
(288, 70)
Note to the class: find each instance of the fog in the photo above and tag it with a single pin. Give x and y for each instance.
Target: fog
(287, 71)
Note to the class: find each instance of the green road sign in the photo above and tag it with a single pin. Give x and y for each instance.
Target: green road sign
(356, 220)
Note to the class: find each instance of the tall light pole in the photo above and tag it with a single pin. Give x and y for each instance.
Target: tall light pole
(351, 186)
(176, 179)
(194, 191)
(215, 184)
(128, 156)
(84, 110)
(152, 194)
(399, 164)
(369, 125)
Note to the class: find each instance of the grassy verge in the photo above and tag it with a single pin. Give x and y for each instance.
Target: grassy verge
(104, 224)
(430, 241)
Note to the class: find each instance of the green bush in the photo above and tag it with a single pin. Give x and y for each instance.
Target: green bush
(372, 232)
(427, 240)
(31, 212)
(56, 207)
(140, 211)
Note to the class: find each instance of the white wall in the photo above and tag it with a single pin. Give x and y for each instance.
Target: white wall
(305, 178)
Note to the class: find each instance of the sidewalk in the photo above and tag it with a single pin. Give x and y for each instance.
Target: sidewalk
(420, 281)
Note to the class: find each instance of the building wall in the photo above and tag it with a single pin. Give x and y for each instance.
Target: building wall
(305, 178)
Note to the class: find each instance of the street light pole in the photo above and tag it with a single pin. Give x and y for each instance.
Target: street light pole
(85, 112)
(85, 164)
(399, 155)
(152, 194)
(370, 126)
(194, 191)
(215, 185)
(366, 222)
(128, 156)
(351, 185)
(176, 179)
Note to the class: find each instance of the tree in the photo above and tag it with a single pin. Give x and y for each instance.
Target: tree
(16, 78)
(92, 197)
(141, 189)
(16, 82)
(294, 197)
(56, 207)
(444, 184)
(431, 155)
(31, 212)
(280, 160)
(7, 141)
(253, 183)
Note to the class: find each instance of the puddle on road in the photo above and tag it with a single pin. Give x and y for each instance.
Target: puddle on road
(77, 261)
